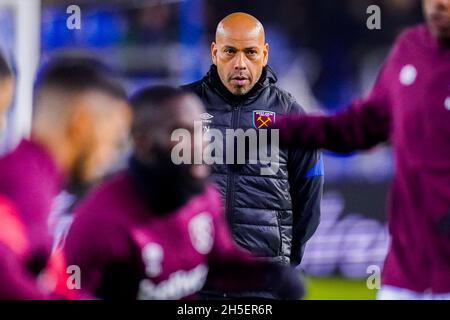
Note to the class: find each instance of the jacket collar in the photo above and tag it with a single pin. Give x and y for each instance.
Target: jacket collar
(267, 77)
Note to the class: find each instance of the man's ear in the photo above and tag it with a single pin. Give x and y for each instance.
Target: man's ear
(266, 54)
(214, 53)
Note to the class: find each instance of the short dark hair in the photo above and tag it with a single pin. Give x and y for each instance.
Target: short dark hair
(148, 101)
(77, 74)
(5, 69)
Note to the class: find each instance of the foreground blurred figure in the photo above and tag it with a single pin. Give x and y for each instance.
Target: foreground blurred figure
(410, 106)
(13, 240)
(157, 229)
(80, 115)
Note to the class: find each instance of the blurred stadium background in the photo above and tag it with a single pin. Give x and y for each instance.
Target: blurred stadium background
(321, 51)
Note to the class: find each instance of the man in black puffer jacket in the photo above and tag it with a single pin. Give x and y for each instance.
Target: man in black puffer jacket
(273, 208)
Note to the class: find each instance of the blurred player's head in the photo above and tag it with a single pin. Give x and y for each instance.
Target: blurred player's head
(158, 111)
(437, 15)
(240, 52)
(81, 115)
(6, 90)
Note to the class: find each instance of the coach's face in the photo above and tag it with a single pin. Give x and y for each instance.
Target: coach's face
(239, 52)
(437, 15)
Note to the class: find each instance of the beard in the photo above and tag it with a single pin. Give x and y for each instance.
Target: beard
(164, 185)
(240, 90)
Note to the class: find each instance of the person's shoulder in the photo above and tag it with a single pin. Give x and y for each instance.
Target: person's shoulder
(100, 215)
(114, 184)
(193, 87)
(106, 196)
(413, 31)
(25, 178)
(288, 102)
(212, 197)
(407, 43)
(416, 34)
(212, 192)
(10, 161)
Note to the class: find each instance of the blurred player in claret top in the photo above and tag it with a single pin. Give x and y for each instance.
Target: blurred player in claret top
(410, 106)
(80, 116)
(16, 281)
(157, 229)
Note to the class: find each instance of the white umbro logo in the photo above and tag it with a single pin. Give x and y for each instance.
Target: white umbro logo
(206, 121)
(206, 116)
(408, 75)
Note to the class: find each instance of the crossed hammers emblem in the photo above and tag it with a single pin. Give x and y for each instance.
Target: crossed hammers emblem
(263, 123)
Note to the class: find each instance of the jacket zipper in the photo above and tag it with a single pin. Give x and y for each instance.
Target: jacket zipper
(280, 251)
(231, 174)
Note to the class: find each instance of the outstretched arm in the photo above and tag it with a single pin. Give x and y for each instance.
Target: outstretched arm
(365, 123)
(361, 126)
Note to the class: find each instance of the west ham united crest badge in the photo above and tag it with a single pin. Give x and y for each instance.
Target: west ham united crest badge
(263, 119)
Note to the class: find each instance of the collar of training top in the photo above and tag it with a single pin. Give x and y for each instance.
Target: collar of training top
(430, 41)
(267, 77)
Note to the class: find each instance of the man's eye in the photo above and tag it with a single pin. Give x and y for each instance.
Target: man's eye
(252, 52)
(229, 51)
